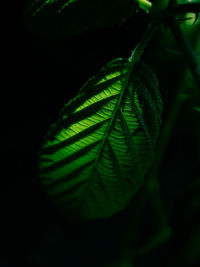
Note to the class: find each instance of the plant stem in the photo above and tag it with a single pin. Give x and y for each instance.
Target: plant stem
(165, 135)
(186, 49)
(166, 132)
(130, 236)
(152, 187)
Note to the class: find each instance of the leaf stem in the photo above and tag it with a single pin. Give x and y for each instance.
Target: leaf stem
(151, 29)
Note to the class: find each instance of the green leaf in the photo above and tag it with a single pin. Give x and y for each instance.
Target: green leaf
(61, 17)
(94, 158)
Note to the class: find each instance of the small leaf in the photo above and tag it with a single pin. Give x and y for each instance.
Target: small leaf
(94, 159)
(60, 17)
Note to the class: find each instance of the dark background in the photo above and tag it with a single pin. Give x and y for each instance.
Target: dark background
(39, 74)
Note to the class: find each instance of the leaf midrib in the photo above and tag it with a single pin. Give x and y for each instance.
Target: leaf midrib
(120, 100)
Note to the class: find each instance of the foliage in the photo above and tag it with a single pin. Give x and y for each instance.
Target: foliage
(106, 148)
(95, 157)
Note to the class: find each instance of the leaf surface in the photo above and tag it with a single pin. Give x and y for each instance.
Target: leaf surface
(60, 17)
(94, 158)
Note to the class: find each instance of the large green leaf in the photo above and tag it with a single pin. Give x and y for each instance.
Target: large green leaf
(58, 17)
(94, 158)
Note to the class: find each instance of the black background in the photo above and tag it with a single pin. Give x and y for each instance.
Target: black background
(38, 76)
